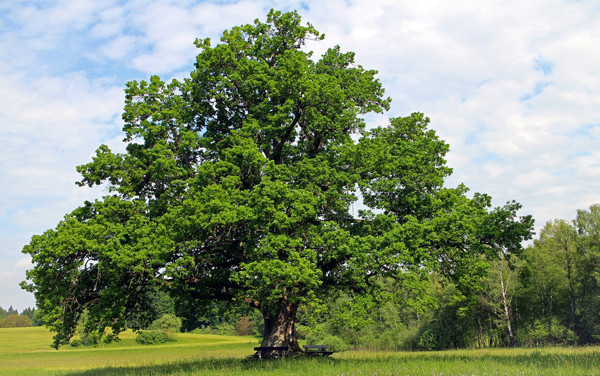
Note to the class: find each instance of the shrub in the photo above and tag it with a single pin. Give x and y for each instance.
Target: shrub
(409, 338)
(90, 339)
(428, 340)
(545, 332)
(224, 329)
(153, 337)
(388, 340)
(110, 339)
(93, 339)
(243, 326)
(204, 330)
(167, 323)
(334, 343)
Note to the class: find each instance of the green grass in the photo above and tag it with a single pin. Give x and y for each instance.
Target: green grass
(26, 351)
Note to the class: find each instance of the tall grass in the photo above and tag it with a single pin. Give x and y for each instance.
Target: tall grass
(26, 351)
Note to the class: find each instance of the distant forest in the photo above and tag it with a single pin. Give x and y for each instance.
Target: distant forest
(11, 318)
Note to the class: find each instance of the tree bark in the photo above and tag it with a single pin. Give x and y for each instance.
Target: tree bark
(280, 328)
(507, 315)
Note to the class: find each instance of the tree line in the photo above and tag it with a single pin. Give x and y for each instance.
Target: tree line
(11, 318)
(549, 294)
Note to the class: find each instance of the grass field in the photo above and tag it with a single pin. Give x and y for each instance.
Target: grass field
(26, 351)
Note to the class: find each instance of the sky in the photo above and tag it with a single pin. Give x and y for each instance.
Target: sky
(513, 86)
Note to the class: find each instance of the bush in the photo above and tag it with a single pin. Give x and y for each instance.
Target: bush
(224, 329)
(409, 339)
(90, 339)
(544, 332)
(334, 343)
(387, 340)
(110, 339)
(201, 331)
(167, 323)
(153, 337)
(93, 339)
(243, 326)
(428, 340)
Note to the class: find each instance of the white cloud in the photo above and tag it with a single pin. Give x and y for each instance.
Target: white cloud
(52, 125)
(24, 263)
(120, 47)
(111, 24)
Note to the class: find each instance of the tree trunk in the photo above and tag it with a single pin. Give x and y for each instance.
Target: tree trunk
(491, 342)
(280, 328)
(507, 315)
(572, 299)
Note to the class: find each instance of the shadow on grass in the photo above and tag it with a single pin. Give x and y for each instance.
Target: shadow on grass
(530, 360)
(201, 366)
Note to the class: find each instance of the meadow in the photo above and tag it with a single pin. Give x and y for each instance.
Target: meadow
(26, 351)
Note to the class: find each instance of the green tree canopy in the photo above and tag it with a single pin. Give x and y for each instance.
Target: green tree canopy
(238, 182)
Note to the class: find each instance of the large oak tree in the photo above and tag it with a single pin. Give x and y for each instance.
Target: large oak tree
(238, 184)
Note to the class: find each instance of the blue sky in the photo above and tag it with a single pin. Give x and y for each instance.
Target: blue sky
(512, 86)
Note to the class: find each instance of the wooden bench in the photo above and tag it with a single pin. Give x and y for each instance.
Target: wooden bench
(266, 352)
(314, 350)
